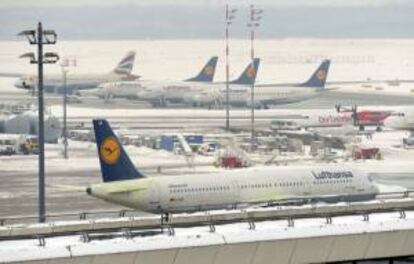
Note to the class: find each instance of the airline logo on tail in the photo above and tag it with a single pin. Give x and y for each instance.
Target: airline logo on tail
(251, 73)
(208, 70)
(321, 75)
(318, 78)
(248, 76)
(110, 150)
(126, 65)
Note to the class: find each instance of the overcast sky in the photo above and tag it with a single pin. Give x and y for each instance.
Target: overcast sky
(143, 19)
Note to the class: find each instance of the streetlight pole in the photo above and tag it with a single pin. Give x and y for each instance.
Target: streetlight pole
(65, 101)
(40, 109)
(253, 24)
(229, 17)
(65, 64)
(41, 37)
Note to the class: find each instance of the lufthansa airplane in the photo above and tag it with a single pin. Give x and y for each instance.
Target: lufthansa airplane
(156, 92)
(75, 82)
(266, 94)
(123, 184)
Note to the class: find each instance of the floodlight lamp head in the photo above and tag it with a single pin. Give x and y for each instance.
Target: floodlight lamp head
(30, 35)
(29, 55)
(51, 57)
(50, 36)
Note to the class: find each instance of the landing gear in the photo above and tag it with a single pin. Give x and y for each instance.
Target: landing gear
(165, 218)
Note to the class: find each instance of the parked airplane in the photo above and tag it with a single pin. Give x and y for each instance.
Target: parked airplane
(157, 92)
(268, 94)
(54, 83)
(323, 118)
(214, 94)
(343, 116)
(364, 118)
(123, 184)
(402, 119)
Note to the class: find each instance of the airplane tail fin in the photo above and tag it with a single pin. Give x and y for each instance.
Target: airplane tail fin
(126, 65)
(115, 163)
(318, 78)
(207, 72)
(248, 76)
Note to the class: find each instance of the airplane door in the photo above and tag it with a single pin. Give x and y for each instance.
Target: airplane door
(236, 193)
(154, 196)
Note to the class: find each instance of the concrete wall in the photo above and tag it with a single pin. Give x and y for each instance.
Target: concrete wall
(298, 250)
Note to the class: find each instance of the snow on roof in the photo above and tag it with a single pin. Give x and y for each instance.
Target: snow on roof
(201, 236)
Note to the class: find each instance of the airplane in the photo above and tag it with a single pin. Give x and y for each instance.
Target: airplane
(364, 118)
(75, 82)
(320, 119)
(268, 94)
(157, 92)
(125, 185)
(212, 95)
(402, 119)
(340, 117)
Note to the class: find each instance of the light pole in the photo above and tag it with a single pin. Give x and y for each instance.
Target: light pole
(253, 24)
(41, 37)
(229, 18)
(64, 65)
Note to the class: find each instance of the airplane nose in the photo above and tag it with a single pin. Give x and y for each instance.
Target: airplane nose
(392, 122)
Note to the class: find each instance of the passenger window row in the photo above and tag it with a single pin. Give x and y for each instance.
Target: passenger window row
(333, 181)
(256, 186)
(203, 189)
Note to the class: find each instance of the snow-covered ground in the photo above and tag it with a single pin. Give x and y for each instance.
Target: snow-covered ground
(283, 60)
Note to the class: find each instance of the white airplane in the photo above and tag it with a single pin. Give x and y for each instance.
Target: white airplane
(125, 185)
(54, 84)
(265, 94)
(320, 119)
(157, 92)
(402, 119)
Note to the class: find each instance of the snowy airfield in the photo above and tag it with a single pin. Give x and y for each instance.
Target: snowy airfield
(287, 60)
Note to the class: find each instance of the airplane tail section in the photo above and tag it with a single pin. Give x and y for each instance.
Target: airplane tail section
(115, 163)
(248, 77)
(126, 65)
(318, 78)
(207, 73)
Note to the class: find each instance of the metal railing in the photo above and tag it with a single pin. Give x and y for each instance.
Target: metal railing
(128, 224)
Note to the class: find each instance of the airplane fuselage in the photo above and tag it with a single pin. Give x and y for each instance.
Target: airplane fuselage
(238, 188)
(74, 82)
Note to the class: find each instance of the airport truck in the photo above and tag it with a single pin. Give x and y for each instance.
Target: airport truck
(11, 144)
